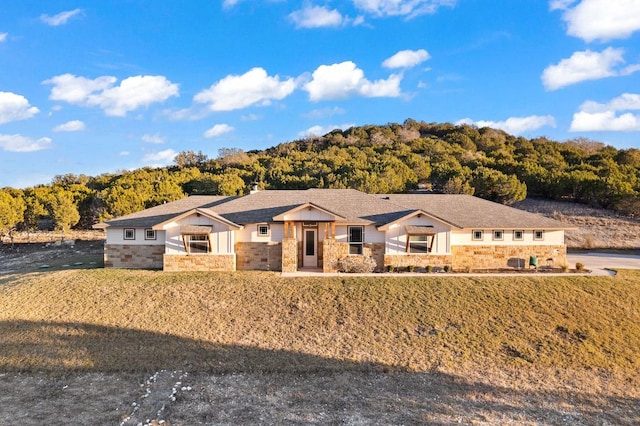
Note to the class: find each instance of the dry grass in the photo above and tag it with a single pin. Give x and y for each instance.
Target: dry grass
(139, 321)
(595, 228)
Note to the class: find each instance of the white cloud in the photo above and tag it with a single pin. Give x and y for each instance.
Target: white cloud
(250, 117)
(229, 3)
(217, 130)
(514, 125)
(597, 117)
(70, 126)
(123, 153)
(407, 8)
(19, 143)
(560, 4)
(61, 18)
(323, 130)
(156, 138)
(406, 59)
(324, 112)
(254, 87)
(317, 17)
(161, 158)
(339, 81)
(3, 37)
(131, 94)
(15, 107)
(600, 19)
(586, 65)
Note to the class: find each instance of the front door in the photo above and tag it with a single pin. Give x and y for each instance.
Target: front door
(309, 249)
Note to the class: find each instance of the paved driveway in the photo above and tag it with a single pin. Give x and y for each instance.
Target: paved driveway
(597, 262)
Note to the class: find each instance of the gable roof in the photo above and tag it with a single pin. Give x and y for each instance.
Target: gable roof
(466, 211)
(347, 205)
(152, 216)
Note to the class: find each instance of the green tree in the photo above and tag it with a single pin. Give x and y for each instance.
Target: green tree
(64, 211)
(496, 186)
(12, 208)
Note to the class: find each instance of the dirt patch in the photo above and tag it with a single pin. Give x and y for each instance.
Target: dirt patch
(55, 255)
(177, 398)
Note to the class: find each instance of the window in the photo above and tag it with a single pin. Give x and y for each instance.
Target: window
(518, 235)
(420, 243)
(197, 243)
(498, 235)
(309, 224)
(129, 234)
(149, 234)
(538, 235)
(478, 235)
(356, 238)
(263, 230)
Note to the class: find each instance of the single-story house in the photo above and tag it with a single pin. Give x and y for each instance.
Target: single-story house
(315, 229)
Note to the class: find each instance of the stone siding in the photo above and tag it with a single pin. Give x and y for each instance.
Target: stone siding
(199, 262)
(376, 251)
(417, 260)
(133, 256)
(493, 257)
(332, 252)
(259, 256)
(289, 255)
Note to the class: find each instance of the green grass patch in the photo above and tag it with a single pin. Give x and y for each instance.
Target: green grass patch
(120, 320)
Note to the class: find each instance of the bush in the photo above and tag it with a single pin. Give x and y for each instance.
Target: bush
(391, 268)
(411, 268)
(579, 266)
(447, 268)
(358, 265)
(429, 268)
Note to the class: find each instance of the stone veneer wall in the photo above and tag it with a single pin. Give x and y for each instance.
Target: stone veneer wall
(418, 260)
(199, 262)
(491, 257)
(375, 250)
(133, 256)
(289, 255)
(332, 252)
(259, 256)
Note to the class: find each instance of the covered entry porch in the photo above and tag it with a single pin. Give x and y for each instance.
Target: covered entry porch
(309, 240)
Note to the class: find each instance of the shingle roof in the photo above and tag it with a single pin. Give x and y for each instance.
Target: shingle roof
(160, 213)
(262, 206)
(466, 211)
(462, 211)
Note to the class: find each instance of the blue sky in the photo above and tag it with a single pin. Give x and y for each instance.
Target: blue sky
(89, 87)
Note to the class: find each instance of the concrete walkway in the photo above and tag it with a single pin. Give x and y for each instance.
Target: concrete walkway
(602, 263)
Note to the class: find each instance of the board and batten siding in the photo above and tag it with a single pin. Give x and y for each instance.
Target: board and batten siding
(396, 241)
(222, 239)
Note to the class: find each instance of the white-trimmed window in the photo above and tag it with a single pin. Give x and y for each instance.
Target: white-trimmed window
(149, 234)
(518, 235)
(129, 234)
(355, 239)
(198, 244)
(263, 230)
(538, 235)
(477, 235)
(498, 235)
(420, 243)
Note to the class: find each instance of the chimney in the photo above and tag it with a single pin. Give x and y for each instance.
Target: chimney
(254, 188)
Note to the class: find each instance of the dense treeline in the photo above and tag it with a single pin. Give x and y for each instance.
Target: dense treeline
(392, 158)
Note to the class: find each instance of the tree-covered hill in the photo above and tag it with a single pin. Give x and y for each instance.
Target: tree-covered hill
(389, 158)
